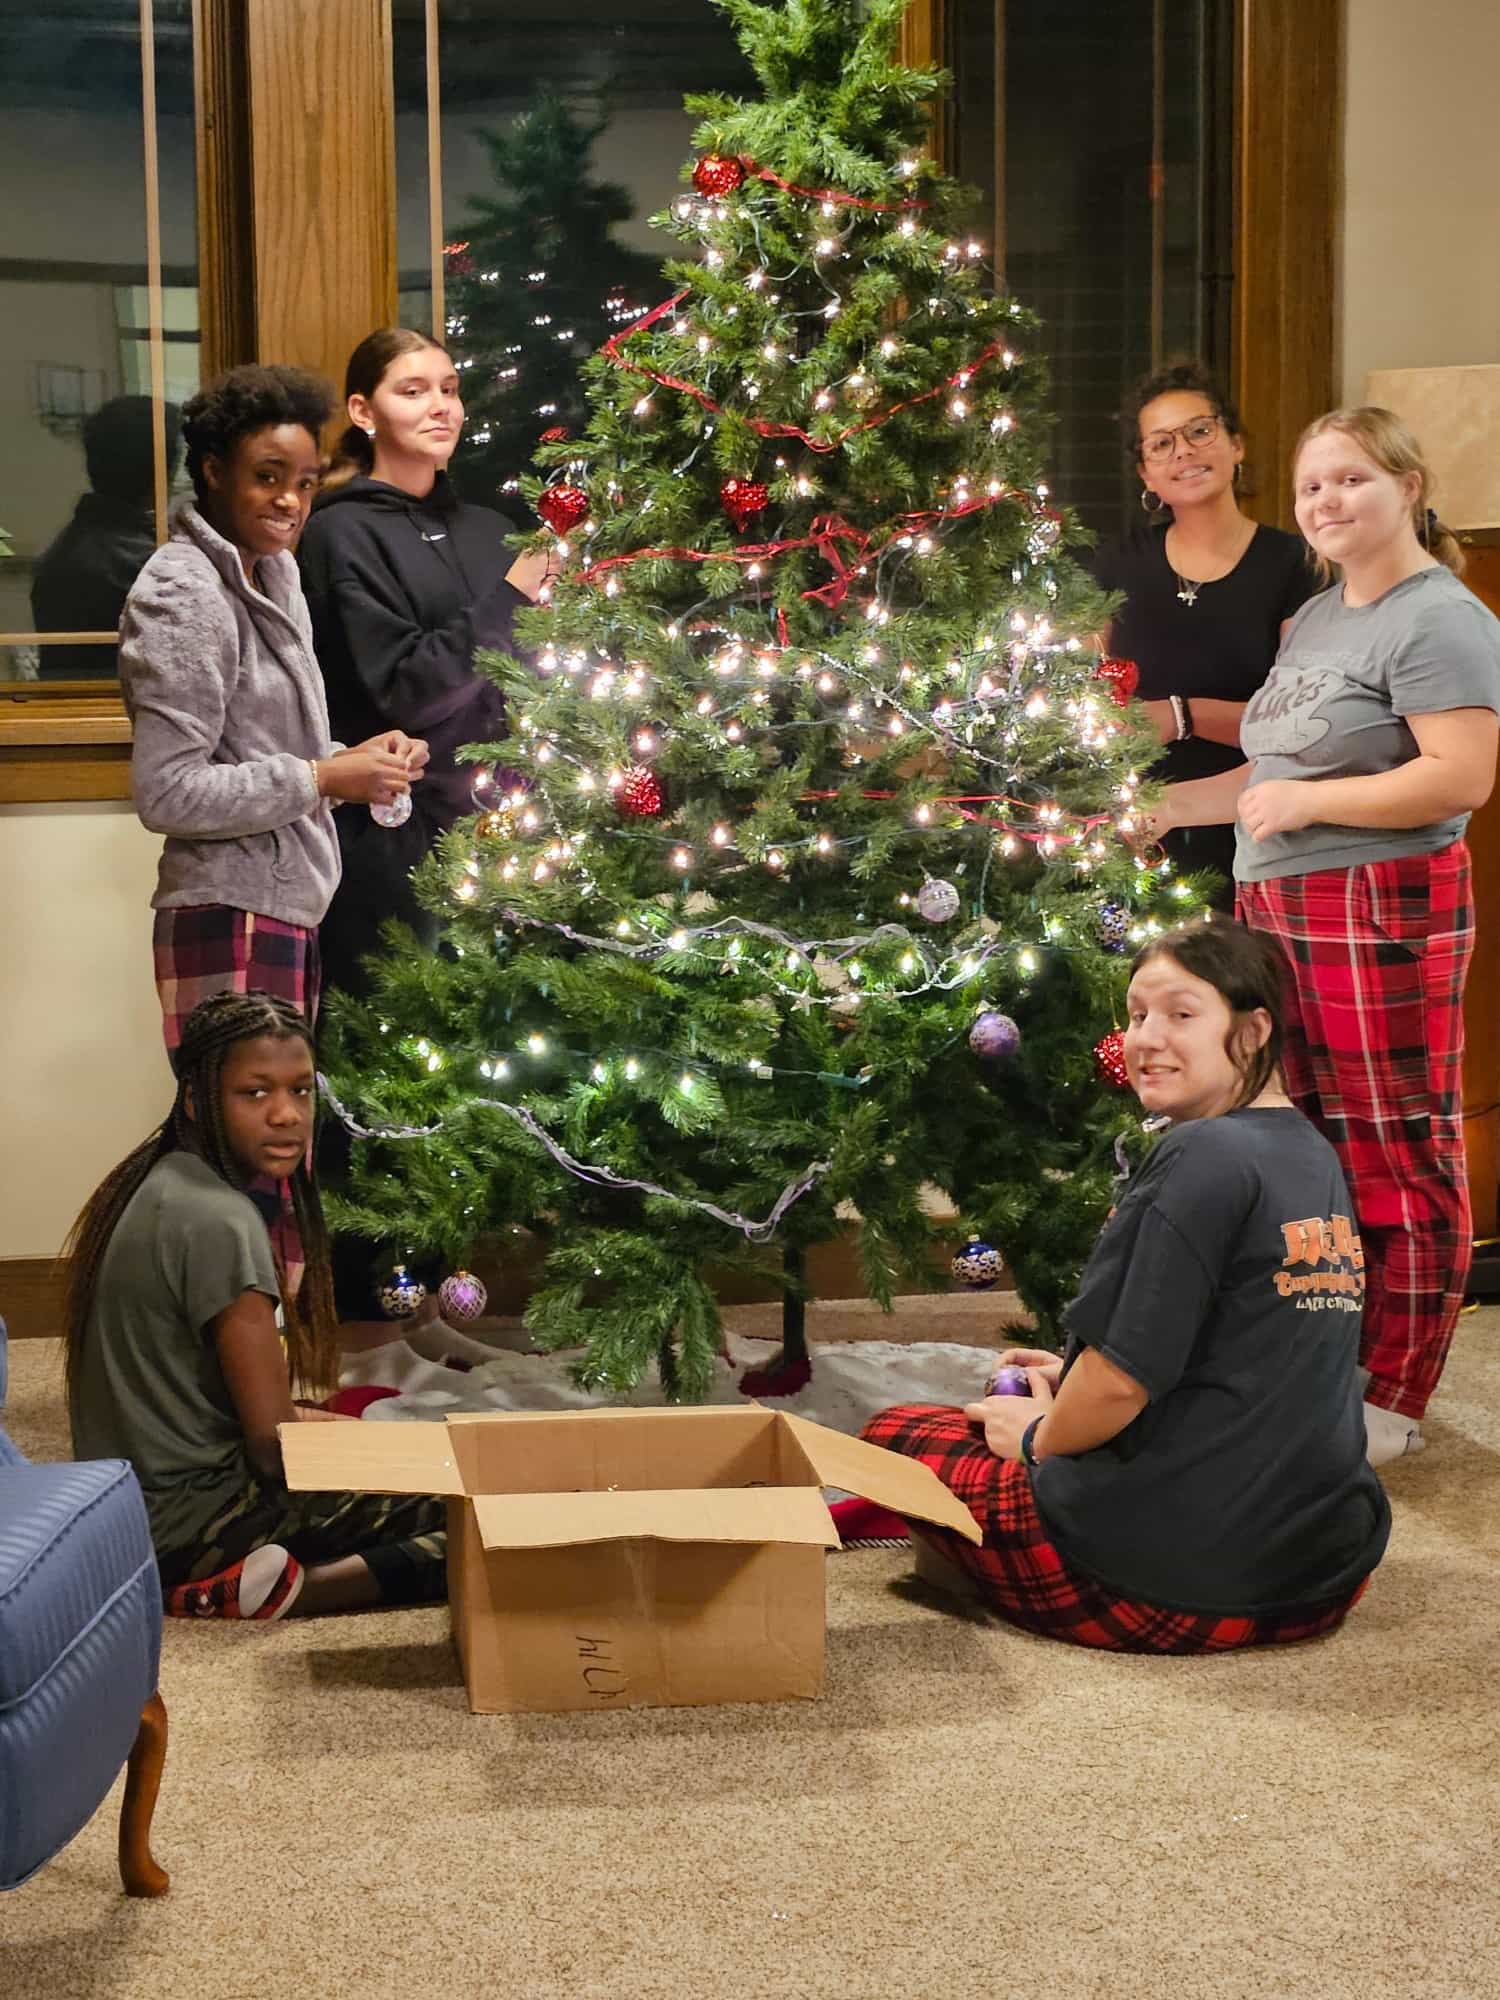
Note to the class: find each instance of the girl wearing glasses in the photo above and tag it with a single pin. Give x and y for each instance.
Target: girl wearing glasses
(1207, 590)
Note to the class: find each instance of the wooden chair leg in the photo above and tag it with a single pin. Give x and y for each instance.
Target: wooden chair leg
(138, 1869)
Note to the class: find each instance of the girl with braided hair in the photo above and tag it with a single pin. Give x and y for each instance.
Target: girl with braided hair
(173, 1356)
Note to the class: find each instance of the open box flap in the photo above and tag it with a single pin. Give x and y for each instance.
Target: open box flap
(702, 1514)
(370, 1458)
(886, 1477)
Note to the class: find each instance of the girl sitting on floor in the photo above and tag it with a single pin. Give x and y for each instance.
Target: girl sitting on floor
(1190, 1476)
(173, 1356)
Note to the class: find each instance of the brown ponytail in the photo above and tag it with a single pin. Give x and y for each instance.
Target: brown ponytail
(354, 454)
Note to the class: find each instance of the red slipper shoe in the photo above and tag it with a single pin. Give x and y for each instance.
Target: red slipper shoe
(264, 1586)
(862, 1524)
(780, 1378)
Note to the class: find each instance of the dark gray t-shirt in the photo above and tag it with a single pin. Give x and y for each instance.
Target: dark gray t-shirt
(148, 1386)
(1229, 1283)
(1335, 703)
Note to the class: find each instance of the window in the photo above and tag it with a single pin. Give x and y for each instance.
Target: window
(562, 133)
(1099, 136)
(98, 319)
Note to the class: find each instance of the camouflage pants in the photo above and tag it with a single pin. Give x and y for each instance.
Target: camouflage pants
(404, 1541)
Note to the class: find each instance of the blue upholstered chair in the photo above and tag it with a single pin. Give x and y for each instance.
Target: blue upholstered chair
(80, 1639)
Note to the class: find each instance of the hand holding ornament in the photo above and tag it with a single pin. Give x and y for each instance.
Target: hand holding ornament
(375, 772)
(1005, 1418)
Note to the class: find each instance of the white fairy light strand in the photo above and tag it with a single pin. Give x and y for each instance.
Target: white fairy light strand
(754, 1232)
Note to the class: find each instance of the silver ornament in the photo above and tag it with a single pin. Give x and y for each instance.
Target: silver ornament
(397, 813)
(937, 900)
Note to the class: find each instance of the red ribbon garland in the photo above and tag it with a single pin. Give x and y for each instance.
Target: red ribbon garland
(612, 352)
(828, 530)
(827, 194)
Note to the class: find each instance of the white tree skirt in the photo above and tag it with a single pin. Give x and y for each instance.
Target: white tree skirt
(851, 1380)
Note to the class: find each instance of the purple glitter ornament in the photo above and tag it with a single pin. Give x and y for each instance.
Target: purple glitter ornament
(995, 1037)
(1008, 1380)
(462, 1298)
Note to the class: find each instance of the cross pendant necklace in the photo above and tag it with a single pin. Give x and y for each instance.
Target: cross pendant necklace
(1187, 590)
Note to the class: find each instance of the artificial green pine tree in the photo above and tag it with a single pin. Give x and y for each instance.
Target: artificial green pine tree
(814, 777)
(535, 282)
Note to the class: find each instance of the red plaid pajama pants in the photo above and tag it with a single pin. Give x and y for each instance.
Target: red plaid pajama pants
(1373, 1055)
(1023, 1576)
(209, 948)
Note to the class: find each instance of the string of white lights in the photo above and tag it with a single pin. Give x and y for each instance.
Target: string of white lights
(754, 1232)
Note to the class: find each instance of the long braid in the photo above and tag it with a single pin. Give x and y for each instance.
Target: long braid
(196, 1123)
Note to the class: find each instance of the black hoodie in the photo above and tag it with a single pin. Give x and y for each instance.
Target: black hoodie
(402, 593)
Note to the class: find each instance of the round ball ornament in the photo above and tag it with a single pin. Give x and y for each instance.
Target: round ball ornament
(562, 507)
(556, 435)
(715, 175)
(393, 814)
(742, 500)
(977, 1266)
(1121, 677)
(1046, 531)
(1008, 1380)
(994, 1037)
(639, 795)
(403, 1295)
(1114, 926)
(462, 1298)
(497, 824)
(937, 901)
(1110, 1058)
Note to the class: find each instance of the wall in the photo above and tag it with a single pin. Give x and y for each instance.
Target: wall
(1420, 277)
(85, 1072)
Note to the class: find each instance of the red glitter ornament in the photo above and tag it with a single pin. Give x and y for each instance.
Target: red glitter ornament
(742, 500)
(1121, 676)
(715, 175)
(1110, 1056)
(556, 435)
(457, 263)
(639, 795)
(562, 507)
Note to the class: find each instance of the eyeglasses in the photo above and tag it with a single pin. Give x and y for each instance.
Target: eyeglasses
(1160, 445)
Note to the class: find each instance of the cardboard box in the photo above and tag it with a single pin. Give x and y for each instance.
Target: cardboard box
(628, 1558)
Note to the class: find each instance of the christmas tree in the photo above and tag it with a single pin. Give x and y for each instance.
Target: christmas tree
(804, 877)
(535, 282)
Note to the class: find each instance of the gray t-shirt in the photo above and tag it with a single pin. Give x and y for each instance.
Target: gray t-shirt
(1335, 701)
(148, 1385)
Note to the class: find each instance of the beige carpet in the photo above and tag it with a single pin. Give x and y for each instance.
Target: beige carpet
(966, 1811)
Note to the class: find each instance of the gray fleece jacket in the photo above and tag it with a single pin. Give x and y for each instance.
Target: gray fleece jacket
(227, 705)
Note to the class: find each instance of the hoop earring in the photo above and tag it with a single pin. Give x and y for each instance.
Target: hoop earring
(1151, 503)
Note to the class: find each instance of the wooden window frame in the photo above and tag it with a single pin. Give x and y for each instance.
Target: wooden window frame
(257, 61)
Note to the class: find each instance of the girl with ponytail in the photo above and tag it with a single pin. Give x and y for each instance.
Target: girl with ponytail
(173, 1357)
(1370, 744)
(406, 582)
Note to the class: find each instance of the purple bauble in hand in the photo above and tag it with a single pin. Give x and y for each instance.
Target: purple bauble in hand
(1008, 1380)
(995, 1037)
